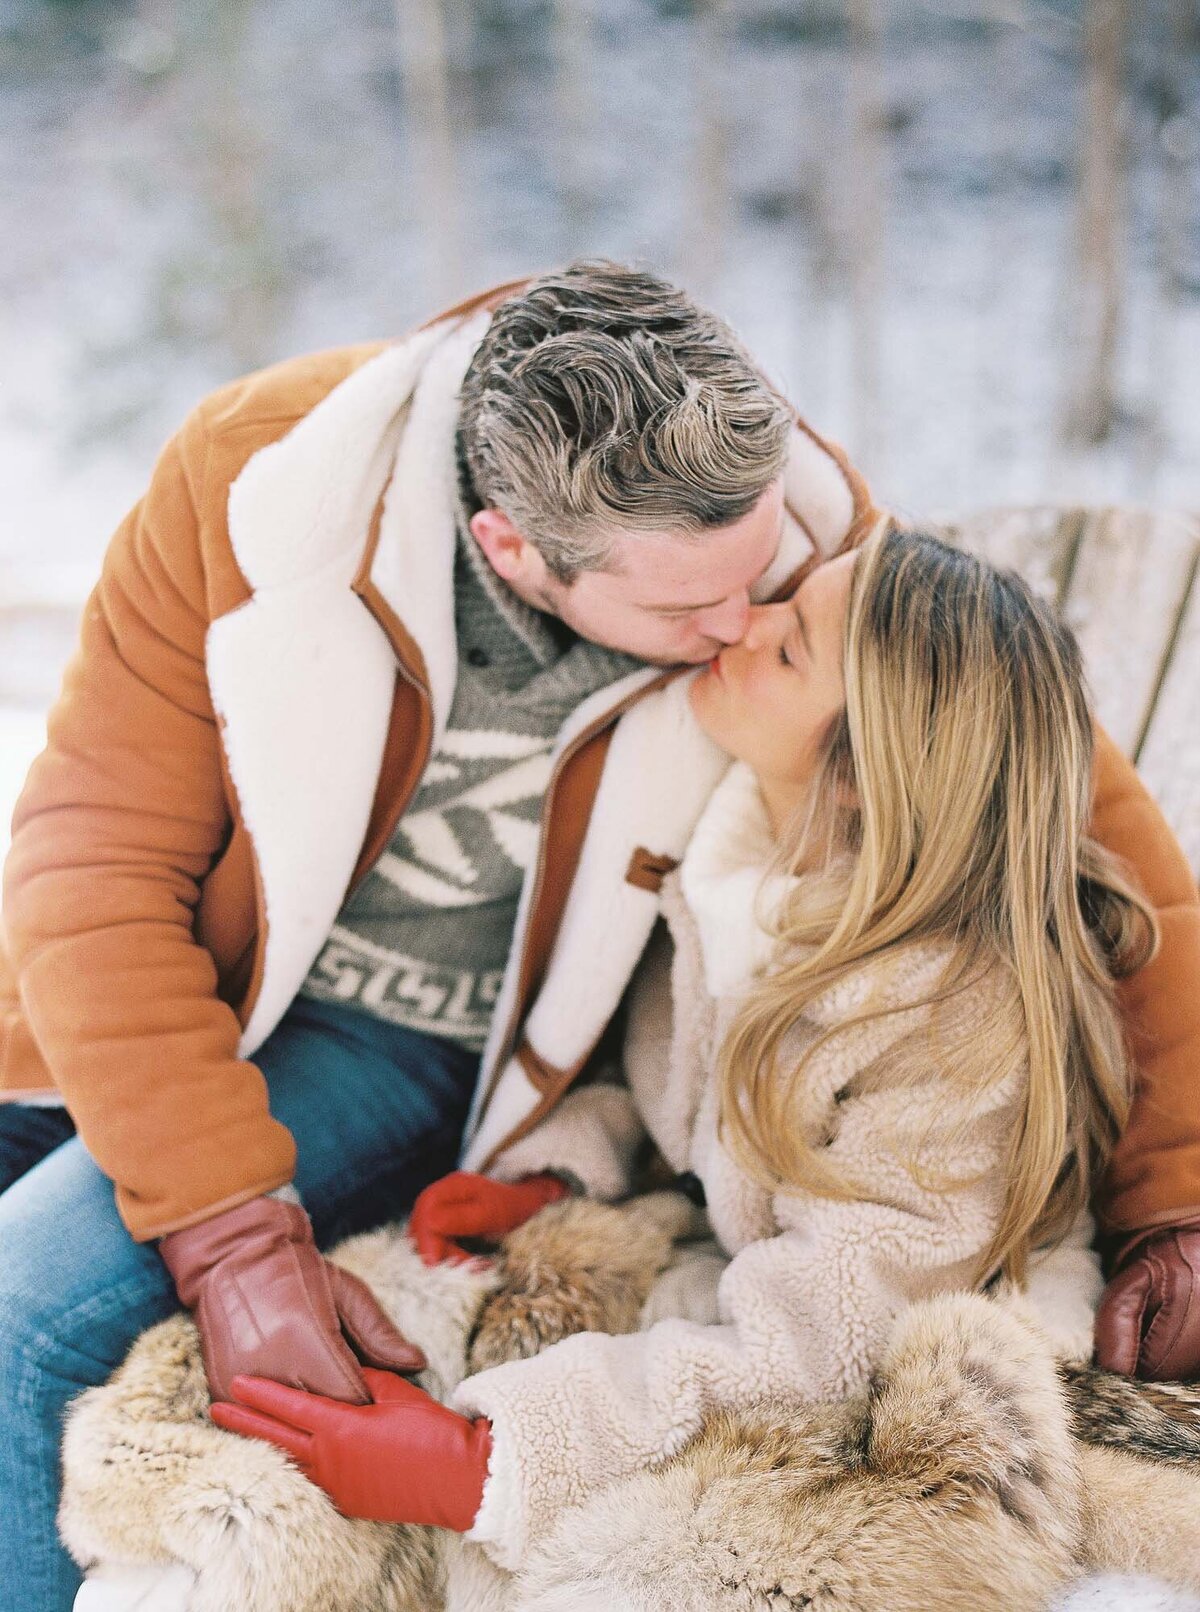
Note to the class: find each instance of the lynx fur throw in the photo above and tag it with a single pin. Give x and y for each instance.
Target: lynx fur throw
(974, 1472)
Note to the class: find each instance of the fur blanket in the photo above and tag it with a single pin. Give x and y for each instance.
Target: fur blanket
(975, 1471)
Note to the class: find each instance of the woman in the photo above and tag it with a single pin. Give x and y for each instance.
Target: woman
(887, 1045)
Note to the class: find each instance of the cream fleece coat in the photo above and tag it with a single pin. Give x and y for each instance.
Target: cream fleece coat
(813, 1286)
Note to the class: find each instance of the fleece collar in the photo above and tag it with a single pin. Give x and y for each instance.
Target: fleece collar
(724, 878)
(302, 675)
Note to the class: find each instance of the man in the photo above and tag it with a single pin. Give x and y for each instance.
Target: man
(354, 802)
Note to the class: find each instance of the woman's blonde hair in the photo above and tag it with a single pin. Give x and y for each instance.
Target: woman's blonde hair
(952, 802)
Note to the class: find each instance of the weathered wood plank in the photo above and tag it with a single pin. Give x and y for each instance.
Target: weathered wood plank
(1123, 601)
(1039, 542)
(1126, 581)
(1169, 757)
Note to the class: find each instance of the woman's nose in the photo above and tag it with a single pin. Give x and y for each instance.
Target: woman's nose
(761, 626)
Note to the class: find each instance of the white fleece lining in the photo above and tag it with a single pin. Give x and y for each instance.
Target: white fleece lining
(514, 1100)
(281, 666)
(660, 772)
(296, 647)
(590, 710)
(307, 498)
(415, 556)
(815, 486)
(498, 1517)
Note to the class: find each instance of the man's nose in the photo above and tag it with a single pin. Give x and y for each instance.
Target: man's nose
(760, 626)
(727, 621)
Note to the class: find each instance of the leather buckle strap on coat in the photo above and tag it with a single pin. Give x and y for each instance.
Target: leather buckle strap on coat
(647, 871)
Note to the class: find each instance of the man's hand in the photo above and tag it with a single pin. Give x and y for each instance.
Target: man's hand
(404, 1458)
(1148, 1324)
(465, 1205)
(267, 1303)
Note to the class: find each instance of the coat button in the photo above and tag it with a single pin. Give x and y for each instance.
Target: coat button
(478, 657)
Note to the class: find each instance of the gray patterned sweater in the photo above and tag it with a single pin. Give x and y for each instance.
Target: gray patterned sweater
(423, 940)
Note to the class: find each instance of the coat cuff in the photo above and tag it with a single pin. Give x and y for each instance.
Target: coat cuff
(537, 1465)
(500, 1525)
(590, 1138)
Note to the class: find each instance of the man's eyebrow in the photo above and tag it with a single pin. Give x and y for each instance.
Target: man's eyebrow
(803, 628)
(681, 610)
(711, 604)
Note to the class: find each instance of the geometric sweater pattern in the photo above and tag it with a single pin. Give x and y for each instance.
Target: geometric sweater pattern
(423, 940)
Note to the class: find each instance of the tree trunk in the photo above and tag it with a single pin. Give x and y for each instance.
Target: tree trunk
(865, 231)
(425, 81)
(708, 219)
(1102, 214)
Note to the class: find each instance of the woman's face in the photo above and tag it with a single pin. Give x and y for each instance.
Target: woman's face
(770, 699)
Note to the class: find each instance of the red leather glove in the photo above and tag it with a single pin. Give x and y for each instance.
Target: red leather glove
(465, 1205)
(1148, 1324)
(403, 1459)
(266, 1302)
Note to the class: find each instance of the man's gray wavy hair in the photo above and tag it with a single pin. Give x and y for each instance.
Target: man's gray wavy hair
(603, 398)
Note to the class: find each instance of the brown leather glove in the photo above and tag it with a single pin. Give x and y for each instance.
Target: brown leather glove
(267, 1304)
(1148, 1324)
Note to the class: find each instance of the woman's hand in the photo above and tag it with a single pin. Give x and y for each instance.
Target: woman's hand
(404, 1458)
(465, 1205)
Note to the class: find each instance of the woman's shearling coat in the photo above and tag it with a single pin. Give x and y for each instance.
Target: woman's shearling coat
(815, 1284)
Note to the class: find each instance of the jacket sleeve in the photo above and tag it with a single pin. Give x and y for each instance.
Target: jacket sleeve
(591, 1137)
(120, 819)
(805, 1313)
(1154, 1175)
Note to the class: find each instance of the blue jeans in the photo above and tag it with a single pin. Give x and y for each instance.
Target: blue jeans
(377, 1112)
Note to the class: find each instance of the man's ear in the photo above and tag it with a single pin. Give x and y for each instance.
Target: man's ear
(510, 554)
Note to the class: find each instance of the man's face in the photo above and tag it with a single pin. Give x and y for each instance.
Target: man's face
(665, 598)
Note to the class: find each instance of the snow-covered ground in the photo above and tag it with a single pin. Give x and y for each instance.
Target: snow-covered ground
(22, 735)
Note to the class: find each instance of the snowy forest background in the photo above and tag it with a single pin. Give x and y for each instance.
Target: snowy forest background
(962, 234)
